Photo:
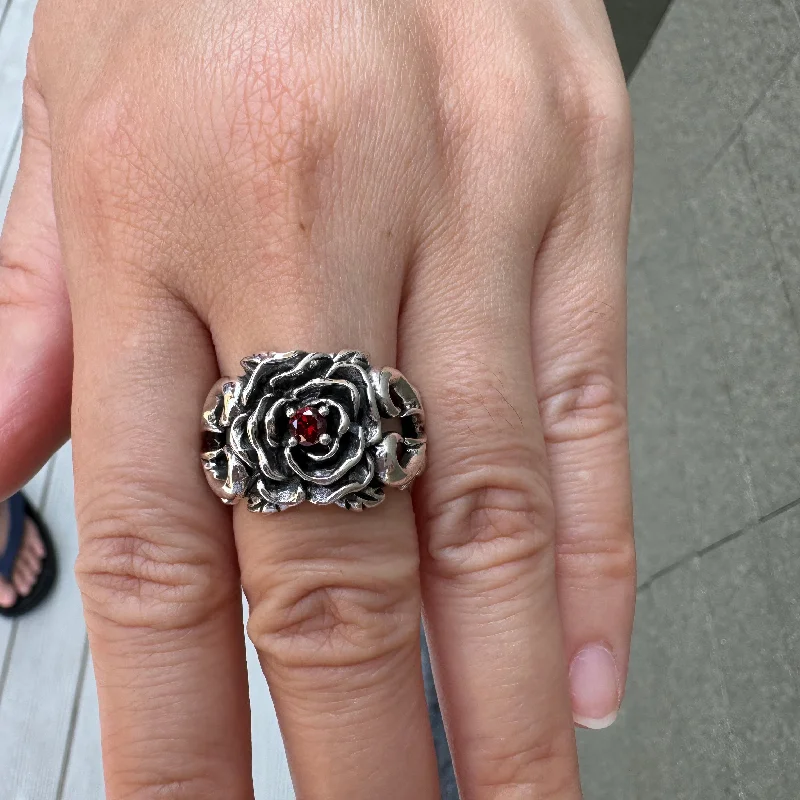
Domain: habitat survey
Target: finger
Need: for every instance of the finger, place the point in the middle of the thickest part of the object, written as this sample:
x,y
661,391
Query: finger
x,y
334,595
35,326
578,335
157,566
485,512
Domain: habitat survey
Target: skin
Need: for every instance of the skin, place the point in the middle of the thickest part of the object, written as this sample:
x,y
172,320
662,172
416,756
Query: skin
x,y
443,185
28,564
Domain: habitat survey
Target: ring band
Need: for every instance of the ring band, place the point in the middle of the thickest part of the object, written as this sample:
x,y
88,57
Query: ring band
x,y
322,427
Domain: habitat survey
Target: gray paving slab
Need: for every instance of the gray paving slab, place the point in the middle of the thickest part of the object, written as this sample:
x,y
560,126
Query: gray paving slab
x,y
691,483
689,699
773,150
707,67
663,529
718,492
753,322
750,622
611,759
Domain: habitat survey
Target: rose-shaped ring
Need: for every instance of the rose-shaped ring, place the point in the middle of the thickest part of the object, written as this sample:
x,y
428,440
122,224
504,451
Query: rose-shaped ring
x,y
323,427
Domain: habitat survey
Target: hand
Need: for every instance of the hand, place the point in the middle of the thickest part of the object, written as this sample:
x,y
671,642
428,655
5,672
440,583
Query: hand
x,y
443,185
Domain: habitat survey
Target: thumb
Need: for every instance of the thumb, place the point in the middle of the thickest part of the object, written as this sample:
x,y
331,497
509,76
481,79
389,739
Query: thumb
x,y
35,325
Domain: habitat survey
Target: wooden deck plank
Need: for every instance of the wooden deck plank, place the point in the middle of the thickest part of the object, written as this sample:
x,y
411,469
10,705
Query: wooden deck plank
x,y
46,664
35,492
14,37
271,778
83,779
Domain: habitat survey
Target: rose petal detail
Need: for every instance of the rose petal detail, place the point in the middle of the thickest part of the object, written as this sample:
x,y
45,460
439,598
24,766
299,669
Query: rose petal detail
x,y
260,368
358,377
270,497
381,382
352,357
311,364
238,441
343,419
222,405
353,452
271,431
355,480
212,408
369,497
327,388
237,479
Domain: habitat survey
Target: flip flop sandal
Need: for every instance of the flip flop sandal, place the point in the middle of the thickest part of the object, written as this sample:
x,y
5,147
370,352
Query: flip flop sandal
x,y
20,510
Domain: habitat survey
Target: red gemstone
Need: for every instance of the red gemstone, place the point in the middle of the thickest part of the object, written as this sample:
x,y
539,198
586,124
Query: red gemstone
x,y
307,425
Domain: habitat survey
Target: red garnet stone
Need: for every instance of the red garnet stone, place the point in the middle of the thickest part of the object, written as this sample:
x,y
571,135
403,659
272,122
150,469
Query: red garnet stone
x,y
307,425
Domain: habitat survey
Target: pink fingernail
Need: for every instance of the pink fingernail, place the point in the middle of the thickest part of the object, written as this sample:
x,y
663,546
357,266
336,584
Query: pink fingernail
x,y
594,684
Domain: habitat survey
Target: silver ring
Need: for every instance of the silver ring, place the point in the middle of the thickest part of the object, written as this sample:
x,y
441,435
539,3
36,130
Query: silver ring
x,y
322,427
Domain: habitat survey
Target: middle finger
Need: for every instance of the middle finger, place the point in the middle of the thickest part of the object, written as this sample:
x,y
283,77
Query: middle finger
x,y
334,595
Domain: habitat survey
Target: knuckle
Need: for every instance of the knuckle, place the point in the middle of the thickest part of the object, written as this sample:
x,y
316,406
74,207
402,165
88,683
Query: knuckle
x,y
165,788
598,560
335,612
543,767
134,570
586,405
594,107
489,519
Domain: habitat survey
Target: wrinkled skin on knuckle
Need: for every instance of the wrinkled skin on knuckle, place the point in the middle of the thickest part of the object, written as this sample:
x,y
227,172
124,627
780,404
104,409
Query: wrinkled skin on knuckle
x,y
541,766
586,406
489,521
172,789
334,611
592,107
600,561
487,499
139,567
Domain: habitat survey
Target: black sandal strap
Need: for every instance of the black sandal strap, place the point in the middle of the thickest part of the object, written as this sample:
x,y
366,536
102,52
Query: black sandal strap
x,y
16,513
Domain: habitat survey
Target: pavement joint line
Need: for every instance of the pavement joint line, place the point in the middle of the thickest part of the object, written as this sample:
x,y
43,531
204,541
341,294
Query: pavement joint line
x,y
4,12
745,118
698,554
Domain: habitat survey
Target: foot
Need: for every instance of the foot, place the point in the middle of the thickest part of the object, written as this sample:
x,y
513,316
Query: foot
x,y
28,564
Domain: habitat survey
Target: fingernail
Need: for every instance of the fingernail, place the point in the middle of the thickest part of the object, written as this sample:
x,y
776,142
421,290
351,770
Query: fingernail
x,y
594,684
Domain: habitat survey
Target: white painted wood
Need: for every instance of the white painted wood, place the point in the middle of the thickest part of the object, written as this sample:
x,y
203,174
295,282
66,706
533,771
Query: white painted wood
x,y
35,490
36,708
271,777
35,493
14,37
84,772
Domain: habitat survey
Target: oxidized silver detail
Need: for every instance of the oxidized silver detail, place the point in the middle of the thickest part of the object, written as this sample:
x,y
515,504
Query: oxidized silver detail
x,y
250,452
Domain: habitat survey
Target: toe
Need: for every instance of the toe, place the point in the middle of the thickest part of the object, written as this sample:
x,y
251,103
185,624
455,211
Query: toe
x,y
30,559
23,579
33,539
8,595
